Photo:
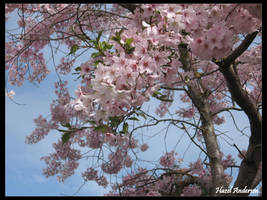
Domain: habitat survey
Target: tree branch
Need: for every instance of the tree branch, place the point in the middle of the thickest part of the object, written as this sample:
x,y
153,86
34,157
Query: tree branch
x,y
128,6
212,147
249,166
226,109
238,51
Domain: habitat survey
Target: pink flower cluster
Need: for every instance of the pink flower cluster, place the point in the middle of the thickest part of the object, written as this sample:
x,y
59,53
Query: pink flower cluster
x,y
168,159
91,174
43,128
121,86
228,161
117,160
197,168
63,162
186,113
254,9
163,107
191,190
142,183
246,19
143,58
65,66
153,193
136,184
67,170
10,94
216,42
144,147
249,71
94,139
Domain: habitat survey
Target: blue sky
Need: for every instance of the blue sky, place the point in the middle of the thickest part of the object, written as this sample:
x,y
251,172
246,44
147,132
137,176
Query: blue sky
x,y
23,176
22,161
23,165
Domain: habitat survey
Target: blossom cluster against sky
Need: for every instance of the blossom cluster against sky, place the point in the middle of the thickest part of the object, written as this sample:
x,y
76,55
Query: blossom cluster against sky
x,y
23,168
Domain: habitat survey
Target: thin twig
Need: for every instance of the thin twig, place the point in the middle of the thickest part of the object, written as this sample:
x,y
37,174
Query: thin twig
x,y
239,151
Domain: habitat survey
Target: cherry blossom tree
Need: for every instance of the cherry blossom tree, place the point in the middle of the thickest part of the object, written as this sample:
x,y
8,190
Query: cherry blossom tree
x,y
202,54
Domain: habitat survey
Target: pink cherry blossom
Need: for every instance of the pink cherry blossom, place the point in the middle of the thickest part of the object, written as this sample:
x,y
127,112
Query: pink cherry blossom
x,y
228,161
139,56
144,147
191,190
10,94
168,159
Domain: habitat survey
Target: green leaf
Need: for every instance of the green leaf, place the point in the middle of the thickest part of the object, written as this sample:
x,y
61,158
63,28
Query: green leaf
x,y
78,68
125,127
157,12
98,61
143,115
115,39
100,46
99,36
159,96
65,137
118,35
106,45
183,32
95,54
64,131
133,118
82,37
156,94
101,128
187,79
67,125
130,50
176,166
115,121
120,32
73,49
163,96
91,122
128,41
95,43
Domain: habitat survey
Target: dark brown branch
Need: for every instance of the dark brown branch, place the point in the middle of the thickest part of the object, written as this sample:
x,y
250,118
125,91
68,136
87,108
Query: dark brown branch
x,y
239,50
239,151
128,6
226,109
249,166
172,88
212,147
213,150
